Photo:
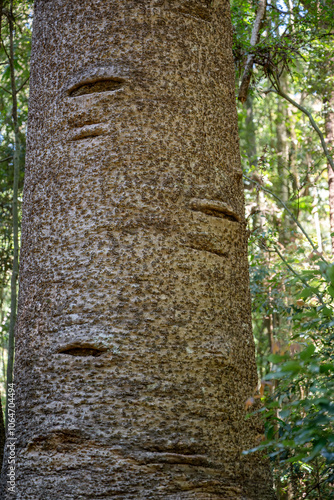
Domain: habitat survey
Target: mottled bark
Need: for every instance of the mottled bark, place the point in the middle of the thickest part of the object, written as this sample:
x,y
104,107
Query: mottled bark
x,y
134,351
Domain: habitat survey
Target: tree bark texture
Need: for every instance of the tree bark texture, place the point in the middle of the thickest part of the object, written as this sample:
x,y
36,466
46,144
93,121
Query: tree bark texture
x,y
134,351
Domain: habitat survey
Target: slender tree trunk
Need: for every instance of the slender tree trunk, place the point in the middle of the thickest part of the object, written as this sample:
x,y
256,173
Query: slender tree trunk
x,y
134,352
16,166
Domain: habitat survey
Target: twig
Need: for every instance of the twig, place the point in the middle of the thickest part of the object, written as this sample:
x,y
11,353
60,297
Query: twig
x,y
246,77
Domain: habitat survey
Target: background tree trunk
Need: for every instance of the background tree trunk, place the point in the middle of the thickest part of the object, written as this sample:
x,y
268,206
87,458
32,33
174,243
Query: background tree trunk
x,y
134,352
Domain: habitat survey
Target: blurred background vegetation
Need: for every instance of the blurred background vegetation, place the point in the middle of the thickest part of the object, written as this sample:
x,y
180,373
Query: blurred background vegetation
x,y
284,60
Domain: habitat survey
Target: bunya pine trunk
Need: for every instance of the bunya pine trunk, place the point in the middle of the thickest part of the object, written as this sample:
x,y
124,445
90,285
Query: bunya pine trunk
x,y
134,347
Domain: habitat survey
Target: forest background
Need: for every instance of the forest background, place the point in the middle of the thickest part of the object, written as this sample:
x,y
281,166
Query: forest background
x,y
284,60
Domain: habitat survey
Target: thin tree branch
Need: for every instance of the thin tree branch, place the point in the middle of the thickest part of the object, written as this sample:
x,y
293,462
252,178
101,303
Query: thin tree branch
x,y
277,9
4,48
5,90
304,185
246,77
23,84
6,159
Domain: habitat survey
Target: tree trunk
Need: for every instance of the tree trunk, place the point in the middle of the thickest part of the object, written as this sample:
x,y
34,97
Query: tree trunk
x,y
282,150
134,351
